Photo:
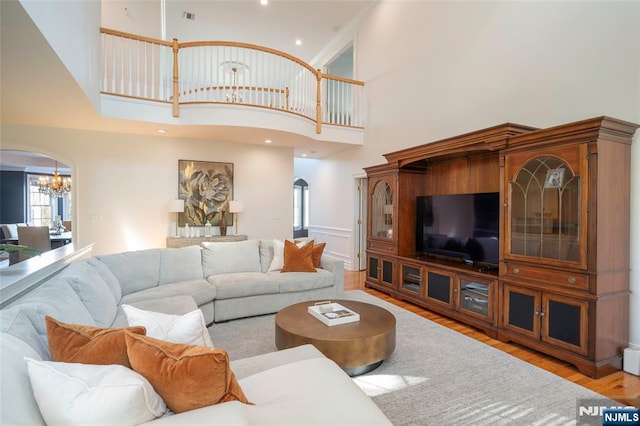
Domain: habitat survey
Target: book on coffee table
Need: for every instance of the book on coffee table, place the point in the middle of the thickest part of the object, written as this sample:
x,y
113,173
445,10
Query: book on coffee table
x,y
333,314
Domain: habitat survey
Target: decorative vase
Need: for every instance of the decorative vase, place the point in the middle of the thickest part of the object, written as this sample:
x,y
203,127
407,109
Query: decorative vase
x,y
223,223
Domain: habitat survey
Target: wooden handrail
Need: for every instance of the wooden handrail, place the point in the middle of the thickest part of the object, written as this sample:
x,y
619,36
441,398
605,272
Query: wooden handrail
x,y
136,37
134,70
342,79
248,46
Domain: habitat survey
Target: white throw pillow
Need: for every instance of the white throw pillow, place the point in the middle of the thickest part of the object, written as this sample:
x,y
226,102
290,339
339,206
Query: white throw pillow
x,y
70,393
278,254
189,329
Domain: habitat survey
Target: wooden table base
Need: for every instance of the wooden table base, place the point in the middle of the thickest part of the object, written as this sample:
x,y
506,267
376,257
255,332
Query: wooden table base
x,y
357,347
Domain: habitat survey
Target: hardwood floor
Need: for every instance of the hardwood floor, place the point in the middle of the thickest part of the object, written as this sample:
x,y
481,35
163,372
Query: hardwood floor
x,y
620,386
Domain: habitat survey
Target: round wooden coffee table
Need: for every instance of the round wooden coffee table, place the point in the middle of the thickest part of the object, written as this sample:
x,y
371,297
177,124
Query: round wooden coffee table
x,y
357,347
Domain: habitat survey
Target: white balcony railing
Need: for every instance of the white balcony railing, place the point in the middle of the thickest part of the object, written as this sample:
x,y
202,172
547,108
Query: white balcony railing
x,y
226,72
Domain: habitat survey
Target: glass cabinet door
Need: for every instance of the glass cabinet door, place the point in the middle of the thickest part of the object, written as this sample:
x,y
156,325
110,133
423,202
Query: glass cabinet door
x,y
382,211
545,210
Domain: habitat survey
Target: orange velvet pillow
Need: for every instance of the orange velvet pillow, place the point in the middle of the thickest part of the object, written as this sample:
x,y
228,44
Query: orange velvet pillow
x,y
298,259
85,344
185,376
318,249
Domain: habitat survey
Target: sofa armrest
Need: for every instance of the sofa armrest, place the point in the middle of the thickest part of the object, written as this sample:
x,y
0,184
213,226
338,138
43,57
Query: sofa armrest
x,y
337,268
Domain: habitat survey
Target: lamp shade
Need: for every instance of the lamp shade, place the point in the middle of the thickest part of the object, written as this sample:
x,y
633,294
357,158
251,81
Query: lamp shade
x,y
236,206
176,206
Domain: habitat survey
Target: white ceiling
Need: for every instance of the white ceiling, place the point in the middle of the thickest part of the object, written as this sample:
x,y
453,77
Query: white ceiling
x,y
28,65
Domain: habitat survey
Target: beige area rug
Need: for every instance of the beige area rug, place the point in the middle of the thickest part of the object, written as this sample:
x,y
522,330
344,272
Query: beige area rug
x,y
437,376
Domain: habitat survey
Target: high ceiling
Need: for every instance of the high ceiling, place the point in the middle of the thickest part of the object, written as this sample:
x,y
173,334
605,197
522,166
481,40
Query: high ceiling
x,y
29,65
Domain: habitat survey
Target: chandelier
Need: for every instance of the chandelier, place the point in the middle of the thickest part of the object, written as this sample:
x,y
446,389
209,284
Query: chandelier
x,y
235,69
55,186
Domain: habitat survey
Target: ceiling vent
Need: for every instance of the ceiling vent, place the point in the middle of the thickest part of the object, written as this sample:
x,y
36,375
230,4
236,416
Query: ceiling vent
x,y
188,15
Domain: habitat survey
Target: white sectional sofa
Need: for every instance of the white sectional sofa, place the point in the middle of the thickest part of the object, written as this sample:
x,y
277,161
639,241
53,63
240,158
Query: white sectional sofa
x,y
297,386
228,280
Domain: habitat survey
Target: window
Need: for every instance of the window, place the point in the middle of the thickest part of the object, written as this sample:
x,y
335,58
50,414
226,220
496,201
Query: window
x,y
43,208
300,209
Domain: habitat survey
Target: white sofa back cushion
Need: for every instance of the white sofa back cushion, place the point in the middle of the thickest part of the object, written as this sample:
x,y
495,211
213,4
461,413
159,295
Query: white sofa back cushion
x,y
57,299
17,404
180,264
135,270
107,276
231,257
13,321
93,291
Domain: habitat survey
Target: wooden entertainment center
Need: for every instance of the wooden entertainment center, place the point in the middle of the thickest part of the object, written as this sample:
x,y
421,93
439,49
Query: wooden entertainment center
x,y
561,285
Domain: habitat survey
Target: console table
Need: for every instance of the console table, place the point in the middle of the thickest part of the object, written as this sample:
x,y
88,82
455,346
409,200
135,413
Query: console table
x,y
177,242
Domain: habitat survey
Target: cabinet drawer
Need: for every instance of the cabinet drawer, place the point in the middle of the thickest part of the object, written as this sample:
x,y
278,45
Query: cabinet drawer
x,y
381,246
562,278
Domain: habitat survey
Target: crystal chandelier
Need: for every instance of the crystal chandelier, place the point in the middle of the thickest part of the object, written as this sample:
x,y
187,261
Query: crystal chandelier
x,y
55,185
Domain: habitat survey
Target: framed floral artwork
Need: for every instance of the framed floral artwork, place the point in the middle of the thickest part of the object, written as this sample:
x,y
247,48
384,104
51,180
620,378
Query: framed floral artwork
x,y
206,188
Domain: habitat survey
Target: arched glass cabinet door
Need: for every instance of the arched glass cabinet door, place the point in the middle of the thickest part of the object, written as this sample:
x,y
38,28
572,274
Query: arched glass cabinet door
x,y
382,210
545,211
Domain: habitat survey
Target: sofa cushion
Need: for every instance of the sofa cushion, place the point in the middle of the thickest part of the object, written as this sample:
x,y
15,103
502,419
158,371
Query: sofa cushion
x,y
187,377
180,264
298,259
201,290
302,281
107,276
177,305
17,405
82,394
249,366
88,345
309,387
13,321
135,270
227,414
231,257
57,299
93,291
189,328
230,286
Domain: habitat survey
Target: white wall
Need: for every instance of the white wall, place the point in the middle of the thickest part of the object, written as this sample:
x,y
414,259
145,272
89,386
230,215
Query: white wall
x,y
137,17
439,69
123,183
72,28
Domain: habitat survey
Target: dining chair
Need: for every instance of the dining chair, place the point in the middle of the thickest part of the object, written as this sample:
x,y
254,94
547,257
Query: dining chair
x,y
35,237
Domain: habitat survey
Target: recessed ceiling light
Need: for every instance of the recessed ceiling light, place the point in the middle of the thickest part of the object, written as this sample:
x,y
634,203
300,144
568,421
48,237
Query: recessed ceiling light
x,y
161,131
298,42
264,2
267,141
304,155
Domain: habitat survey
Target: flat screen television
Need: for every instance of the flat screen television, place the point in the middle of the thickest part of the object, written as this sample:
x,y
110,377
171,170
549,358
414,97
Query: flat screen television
x,y
459,226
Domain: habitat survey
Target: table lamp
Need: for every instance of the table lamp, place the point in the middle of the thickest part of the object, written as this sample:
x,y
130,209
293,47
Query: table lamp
x,y
236,207
176,206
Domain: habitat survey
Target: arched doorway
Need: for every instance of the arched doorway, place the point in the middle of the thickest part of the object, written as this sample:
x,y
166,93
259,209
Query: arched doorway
x,y
22,201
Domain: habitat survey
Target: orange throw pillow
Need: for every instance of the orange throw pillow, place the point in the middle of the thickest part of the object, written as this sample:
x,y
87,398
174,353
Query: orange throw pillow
x,y
316,255
85,344
185,376
298,259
